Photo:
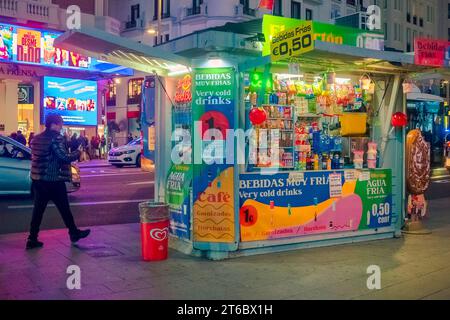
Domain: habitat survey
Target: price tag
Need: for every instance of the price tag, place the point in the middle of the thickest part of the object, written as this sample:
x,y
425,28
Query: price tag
x,y
292,42
296,176
351,175
364,176
335,182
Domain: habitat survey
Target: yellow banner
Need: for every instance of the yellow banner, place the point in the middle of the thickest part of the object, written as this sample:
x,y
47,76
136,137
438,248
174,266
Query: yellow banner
x,y
292,42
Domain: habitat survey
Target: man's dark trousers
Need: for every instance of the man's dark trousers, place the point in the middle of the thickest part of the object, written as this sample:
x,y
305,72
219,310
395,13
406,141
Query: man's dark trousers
x,y
44,191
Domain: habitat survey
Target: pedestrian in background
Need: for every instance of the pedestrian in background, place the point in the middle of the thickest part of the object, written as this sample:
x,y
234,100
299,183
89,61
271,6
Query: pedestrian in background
x,y
50,169
83,142
21,138
130,137
30,138
103,147
13,136
74,143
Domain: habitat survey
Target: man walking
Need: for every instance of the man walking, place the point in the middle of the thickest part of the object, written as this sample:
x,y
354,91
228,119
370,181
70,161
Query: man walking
x,y
50,169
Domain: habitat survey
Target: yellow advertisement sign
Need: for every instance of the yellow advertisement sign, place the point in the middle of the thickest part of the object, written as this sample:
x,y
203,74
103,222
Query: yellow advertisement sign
x,y
214,210
292,42
28,45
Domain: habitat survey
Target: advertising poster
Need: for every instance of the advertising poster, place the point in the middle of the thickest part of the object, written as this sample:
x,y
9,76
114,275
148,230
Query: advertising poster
x,y
36,46
322,32
51,55
178,198
213,187
430,52
28,45
75,100
285,205
6,42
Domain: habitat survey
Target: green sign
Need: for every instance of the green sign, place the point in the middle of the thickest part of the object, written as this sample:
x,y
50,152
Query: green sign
x,y
273,25
375,189
213,104
178,198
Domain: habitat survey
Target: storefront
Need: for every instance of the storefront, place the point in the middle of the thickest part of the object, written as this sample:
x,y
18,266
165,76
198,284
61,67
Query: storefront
x,y
270,153
37,77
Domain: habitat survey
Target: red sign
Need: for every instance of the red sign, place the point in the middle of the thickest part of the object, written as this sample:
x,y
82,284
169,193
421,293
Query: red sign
x,y
183,94
430,52
266,4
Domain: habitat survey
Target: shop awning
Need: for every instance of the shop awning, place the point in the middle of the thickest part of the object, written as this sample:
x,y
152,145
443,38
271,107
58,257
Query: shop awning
x,y
121,51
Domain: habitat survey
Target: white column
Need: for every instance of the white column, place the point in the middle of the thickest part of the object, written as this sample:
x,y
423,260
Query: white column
x,y
8,106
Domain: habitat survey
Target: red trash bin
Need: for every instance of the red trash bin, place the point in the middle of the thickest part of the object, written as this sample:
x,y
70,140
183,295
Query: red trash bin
x,y
154,230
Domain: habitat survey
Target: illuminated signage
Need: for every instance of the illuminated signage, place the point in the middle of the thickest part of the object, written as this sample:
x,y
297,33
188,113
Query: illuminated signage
x,y
273,25
183,94
35,46
75,100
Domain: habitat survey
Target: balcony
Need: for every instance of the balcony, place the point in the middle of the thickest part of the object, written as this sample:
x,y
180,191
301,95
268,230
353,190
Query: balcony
x,y
193,11
165,15
249,12
8,8
240,10
30,10
133,24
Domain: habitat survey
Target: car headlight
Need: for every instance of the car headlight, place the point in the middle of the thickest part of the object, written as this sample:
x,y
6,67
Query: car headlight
x,y
129,151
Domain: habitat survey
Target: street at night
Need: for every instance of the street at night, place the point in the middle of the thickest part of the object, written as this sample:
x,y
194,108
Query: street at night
x,y
225,150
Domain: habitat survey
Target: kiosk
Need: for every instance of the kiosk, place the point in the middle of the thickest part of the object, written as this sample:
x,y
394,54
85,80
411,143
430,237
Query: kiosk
x,y
261,153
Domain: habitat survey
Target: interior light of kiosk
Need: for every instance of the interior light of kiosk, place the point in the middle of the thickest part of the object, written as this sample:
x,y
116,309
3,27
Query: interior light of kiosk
x,y
178,72
284,76
117,81
342,80
214,62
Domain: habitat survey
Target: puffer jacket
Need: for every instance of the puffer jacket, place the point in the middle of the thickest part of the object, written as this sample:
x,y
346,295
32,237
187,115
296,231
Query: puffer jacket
x,y
50,160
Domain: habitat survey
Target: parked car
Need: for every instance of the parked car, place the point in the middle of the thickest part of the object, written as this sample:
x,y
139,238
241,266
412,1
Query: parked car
x,y
15,169
129,154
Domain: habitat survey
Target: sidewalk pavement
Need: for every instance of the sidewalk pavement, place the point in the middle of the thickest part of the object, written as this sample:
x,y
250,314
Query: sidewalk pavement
x,y
95,163
412,267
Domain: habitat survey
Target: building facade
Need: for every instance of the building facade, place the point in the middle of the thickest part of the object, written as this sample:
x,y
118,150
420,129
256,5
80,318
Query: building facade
x,y
401,20
28,59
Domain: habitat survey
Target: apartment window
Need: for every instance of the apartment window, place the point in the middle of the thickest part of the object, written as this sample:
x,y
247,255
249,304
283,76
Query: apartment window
x,y
385,31
165,13
448,34
408,35
309,14
448,10
296,9
385,4
167,37
277,8
111,93
135,12
135,90
335,11
351,2
415,20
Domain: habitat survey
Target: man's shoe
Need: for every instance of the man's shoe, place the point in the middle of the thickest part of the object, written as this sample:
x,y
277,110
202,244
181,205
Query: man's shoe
x,y
80,234
31,244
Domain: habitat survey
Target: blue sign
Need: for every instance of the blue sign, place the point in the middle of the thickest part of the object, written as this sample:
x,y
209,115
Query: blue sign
x,y
75,100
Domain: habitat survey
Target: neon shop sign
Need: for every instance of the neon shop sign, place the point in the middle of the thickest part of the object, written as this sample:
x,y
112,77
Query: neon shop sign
x,y
183,94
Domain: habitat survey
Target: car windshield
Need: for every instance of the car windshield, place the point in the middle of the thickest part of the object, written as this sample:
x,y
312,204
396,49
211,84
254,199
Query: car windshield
x,y
134,142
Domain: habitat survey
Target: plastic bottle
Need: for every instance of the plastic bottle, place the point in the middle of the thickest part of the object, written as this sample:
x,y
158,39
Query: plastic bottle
x,y
329,162
316,162
324,161
341,161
